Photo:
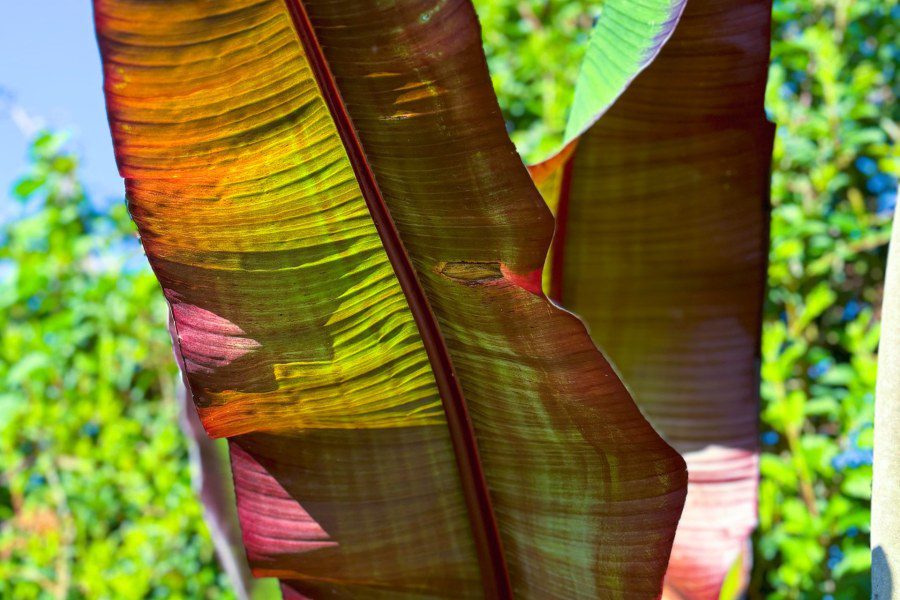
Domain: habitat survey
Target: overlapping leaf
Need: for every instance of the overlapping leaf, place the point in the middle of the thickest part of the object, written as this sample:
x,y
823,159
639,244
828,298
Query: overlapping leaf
x,y
351,249
661,246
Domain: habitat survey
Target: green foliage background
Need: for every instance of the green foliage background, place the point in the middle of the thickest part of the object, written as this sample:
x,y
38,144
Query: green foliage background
x,y
95,487
832,94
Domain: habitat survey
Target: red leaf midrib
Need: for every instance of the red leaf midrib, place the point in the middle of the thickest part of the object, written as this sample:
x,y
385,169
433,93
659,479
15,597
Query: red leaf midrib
x,y
494,570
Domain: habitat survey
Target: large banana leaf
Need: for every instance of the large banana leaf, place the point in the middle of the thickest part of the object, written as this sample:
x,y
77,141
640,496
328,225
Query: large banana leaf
x,y
352,249
661,246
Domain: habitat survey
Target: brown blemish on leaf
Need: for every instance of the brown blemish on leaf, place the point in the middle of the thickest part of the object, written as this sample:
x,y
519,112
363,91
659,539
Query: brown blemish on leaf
x,y
471,272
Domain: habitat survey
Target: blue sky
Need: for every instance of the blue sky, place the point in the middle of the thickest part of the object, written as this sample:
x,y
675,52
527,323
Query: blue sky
x,y
50,70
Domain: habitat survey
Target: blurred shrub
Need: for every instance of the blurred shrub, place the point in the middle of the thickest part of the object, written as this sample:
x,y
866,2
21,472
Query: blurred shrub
x,y
95,493
834,188
831,90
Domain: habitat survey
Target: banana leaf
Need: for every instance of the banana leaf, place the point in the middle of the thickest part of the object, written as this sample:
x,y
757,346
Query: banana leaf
x,y
661,246
352,251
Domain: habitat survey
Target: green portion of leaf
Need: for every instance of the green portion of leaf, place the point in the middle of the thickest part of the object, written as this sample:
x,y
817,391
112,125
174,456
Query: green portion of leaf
x,y
626,38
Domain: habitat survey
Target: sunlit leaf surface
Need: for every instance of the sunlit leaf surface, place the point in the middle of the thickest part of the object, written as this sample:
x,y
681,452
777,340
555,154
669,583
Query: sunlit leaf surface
x,y
352,252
